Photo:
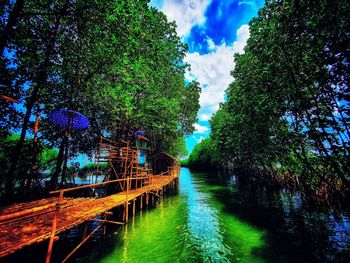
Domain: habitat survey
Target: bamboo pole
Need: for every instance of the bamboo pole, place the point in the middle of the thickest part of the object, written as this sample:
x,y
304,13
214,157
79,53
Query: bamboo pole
x,y
141,201
85,230
126,161
104,225
92,185
54,227
107,221
127,201
131,163
81,243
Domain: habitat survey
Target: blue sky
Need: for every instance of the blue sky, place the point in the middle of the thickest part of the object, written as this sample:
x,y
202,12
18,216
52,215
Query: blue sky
x,y
214,30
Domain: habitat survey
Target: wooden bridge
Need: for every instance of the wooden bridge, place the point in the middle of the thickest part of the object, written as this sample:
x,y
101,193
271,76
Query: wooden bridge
x,y
28,223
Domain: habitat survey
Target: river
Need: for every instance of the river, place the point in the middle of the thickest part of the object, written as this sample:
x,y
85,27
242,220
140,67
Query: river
x,y
211,220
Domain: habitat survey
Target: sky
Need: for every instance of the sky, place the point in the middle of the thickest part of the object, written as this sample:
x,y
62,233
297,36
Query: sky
x,y
214,30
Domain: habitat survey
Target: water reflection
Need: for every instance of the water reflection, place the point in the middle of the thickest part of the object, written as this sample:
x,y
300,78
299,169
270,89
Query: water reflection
x,y
203,222
214,220
211,220
189,227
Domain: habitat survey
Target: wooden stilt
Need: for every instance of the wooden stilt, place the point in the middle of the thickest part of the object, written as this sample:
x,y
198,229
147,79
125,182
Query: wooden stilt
x,y
156,186
107,214
85,230
141,201
54,227
81,243
107,221
127,201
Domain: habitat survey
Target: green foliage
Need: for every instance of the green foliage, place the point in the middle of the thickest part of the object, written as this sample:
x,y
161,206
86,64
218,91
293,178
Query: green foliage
x,y
179,148
203,156
118,62
287,110
94,166
46,157
184,163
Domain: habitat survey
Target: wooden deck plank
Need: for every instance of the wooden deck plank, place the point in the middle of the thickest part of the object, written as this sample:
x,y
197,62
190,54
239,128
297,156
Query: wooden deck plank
x,y
24,231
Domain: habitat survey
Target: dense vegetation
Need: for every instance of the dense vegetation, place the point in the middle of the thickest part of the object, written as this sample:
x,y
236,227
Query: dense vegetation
x,y
118,62
287,114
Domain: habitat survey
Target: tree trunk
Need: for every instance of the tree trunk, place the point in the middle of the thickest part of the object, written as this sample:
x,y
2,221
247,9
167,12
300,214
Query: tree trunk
x,y
17,151
40,81
10,26
63,176
60,159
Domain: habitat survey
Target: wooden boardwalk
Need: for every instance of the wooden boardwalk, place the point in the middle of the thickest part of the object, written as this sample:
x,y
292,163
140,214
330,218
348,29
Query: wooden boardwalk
x,y
25,224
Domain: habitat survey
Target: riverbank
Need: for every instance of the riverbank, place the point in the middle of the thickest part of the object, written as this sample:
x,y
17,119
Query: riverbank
x,y
259,178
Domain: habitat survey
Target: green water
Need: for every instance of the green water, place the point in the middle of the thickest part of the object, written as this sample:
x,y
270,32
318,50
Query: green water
x,y
188,227
212,220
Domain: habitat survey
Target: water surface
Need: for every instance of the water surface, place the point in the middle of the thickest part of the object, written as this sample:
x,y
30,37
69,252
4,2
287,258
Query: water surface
x,y
210,220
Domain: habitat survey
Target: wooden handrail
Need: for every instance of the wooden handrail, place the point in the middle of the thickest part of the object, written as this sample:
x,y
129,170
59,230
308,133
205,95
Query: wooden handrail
x,y
92,185
128,181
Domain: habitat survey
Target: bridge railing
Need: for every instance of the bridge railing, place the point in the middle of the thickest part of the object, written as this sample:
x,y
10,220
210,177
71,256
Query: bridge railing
x,y
61,193
172,171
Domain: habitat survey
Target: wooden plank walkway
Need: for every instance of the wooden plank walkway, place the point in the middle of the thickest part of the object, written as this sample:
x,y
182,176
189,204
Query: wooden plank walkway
x,y
36,226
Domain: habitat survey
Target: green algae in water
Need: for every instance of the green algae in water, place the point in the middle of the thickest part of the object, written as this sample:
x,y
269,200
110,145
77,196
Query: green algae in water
x,y
189,227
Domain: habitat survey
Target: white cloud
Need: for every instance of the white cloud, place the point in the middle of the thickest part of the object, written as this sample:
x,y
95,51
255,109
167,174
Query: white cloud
x,y
211,44
204,117
186,13
212,70
245,2
242,37
200,128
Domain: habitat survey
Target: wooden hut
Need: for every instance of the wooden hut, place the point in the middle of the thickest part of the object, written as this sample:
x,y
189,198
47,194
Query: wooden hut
x,y
162,162
141,144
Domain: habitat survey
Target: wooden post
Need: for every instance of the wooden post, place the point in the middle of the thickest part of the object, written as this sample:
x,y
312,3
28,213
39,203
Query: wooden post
x,y
81,243
141,201
126,161
131,163
127,201
85,230
54,227
133,208
105,225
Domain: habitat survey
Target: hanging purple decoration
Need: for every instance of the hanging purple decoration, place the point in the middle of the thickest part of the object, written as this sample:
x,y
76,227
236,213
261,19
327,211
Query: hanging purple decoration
x,y
140,133
66,118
